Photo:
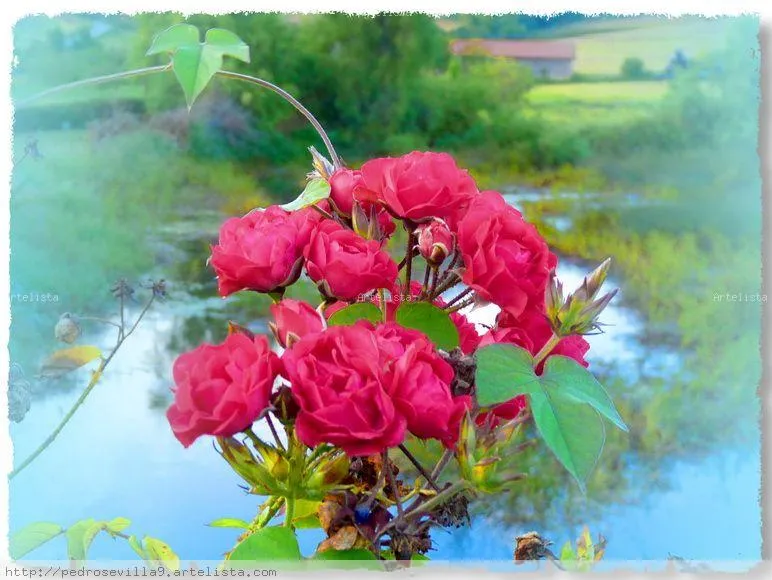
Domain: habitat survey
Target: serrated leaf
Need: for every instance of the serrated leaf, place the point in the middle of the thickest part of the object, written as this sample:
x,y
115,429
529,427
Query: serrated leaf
x,y
32,536
434,322
158,551
503,372
573,380
573,432
79,538
271,543
69,359
354,313
229,523
228,43
315,191
173,38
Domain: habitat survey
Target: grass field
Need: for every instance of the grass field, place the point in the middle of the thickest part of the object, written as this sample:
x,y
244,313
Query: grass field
x,y
602,47
610,92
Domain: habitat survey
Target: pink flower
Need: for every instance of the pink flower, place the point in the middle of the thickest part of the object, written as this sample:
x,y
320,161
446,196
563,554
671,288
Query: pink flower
x,y
262,251
222,389
342,184
506,260
417,186
435,241
341,380
293,320
346,265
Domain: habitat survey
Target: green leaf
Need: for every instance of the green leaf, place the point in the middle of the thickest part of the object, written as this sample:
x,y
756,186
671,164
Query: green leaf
x,y
229,523
266,544
503,372
351,559
194,62
79,538
32,536
158,551
316,190
431,320
354,313
136,545
575,381
306,514
228,43
194,67
173,38
574,432
117,525
567,552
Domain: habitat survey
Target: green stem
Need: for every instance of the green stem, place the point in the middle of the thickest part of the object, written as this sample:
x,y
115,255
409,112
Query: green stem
x,y
384,308
289,513
95,80
440,498
292,101
442,463
264,517
275,433
545,350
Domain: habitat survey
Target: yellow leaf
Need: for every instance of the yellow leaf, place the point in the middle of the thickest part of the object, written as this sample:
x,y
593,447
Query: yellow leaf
x,y
160,552
69,359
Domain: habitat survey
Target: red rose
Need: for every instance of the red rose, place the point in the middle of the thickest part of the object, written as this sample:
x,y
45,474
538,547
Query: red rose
x,y
417,186
262,251
222,389
435,241
468,339
506,260
294,319
346,265
340,381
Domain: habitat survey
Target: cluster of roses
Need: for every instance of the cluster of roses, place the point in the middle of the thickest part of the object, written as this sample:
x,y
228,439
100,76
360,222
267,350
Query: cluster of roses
x,y
363,387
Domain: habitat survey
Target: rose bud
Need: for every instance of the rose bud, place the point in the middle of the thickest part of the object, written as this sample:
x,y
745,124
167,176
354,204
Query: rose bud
x,y
222,389
294,319
262,251
285,407
435,241
342,184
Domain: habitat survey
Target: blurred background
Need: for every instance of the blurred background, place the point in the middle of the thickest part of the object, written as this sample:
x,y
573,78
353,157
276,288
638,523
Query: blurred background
x,y
634,138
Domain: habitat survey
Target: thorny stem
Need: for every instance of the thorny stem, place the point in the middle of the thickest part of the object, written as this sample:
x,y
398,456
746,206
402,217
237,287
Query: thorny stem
x,y
545,350
323,212
96,375
459,297
433,284
461,306
441,463
418,466
449,281
409,263
425,286
439,499
392,482
263,518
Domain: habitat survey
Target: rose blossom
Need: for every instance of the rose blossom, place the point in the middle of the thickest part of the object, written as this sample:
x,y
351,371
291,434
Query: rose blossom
x,y
435,241
293,320
342,185
340,383
420,382
222,389
344,264
417,186
263,250
506,261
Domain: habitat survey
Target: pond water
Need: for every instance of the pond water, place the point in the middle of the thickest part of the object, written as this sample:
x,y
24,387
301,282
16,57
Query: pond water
x,y
118,457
